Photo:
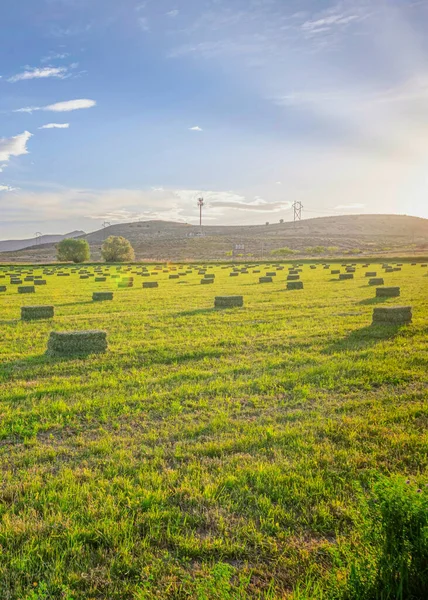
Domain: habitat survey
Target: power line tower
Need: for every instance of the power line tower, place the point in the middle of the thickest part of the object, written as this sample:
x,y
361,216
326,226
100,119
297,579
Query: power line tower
x,y
200,204
105,225
297,207
38,236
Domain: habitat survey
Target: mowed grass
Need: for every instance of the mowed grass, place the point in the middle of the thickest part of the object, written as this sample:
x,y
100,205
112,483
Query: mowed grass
x,y
209,454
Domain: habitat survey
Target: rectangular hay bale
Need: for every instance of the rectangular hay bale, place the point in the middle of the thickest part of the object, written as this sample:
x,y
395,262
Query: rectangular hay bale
x,y
69,343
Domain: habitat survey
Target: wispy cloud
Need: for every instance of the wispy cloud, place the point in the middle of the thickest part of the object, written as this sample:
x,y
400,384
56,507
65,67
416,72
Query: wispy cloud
x,y
196,128
173,13
40,73
55,126
6,188
14,146
54,56
66,106
326,23
143,24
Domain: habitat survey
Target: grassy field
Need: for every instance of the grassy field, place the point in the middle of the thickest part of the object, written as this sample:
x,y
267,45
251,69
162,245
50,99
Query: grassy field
x,y
244,453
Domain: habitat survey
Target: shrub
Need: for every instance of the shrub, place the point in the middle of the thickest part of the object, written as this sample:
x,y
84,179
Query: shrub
x,y
394,564
283,251
71,250
117,249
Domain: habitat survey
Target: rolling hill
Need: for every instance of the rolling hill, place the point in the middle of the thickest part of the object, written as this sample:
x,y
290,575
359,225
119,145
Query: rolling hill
x,y
12,245
338,235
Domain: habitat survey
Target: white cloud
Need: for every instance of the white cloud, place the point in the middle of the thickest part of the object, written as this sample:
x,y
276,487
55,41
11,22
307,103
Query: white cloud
x,y
6,188
40,73
55,126
348,206
66,106
172,13
14,146
197,128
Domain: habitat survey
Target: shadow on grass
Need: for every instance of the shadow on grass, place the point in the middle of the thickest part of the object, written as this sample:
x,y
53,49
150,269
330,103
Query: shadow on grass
x,y
364,338
83,302
195,312
21,365
369,301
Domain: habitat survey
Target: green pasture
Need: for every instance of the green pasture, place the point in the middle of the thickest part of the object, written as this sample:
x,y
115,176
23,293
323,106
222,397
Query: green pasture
x,y
212,453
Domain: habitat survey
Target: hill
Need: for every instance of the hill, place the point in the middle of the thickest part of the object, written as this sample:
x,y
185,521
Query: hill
x,y
162,240
12,245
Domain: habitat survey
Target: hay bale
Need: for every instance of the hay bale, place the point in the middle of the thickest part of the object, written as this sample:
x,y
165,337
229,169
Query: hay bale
x,y
211,275
101,296
26,289
271,274
387,292
376,281
233,274
100,278
295,285
39,282
228,301
16,281
29,278
204,281
371,274
2,288
344,276
125,284
293,277
265,279
150,284
256,271
392,315
84,276
335,272
32,313
174,276
68,343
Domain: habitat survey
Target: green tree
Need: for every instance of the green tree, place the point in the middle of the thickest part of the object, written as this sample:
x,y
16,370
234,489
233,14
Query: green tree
x,y
71,250
117,249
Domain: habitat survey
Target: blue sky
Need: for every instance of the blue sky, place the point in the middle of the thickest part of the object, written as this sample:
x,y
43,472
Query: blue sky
x,y
131,110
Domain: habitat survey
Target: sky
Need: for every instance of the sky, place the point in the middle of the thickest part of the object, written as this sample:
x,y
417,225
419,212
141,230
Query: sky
x,y
121,111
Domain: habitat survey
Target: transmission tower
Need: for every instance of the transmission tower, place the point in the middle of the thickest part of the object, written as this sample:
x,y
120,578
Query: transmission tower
x,y
105,224
200,204
297,206
38,236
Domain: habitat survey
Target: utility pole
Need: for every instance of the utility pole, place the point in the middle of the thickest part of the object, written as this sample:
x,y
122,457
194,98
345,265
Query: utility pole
x,y
200,204
297,206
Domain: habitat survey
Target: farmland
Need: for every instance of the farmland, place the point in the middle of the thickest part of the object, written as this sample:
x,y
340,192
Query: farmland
x,y
209,453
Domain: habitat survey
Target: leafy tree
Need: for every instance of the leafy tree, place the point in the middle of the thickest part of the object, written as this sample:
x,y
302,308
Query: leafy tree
x,y
71,250
117,249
